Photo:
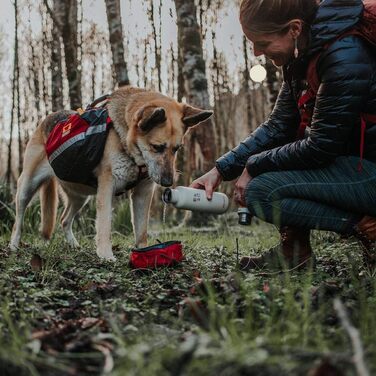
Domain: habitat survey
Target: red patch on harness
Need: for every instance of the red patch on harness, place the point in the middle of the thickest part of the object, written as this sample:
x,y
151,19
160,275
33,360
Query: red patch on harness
x,y
71,127
163,254
66,129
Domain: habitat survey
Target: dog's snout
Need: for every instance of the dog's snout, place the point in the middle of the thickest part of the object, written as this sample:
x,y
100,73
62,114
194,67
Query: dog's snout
x,y
167,181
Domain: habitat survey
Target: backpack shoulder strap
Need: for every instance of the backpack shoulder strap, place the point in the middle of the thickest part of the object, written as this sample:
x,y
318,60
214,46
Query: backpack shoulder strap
x,y
312,76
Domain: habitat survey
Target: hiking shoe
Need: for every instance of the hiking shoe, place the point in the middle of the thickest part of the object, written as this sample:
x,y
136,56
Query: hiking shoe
x,y
293,252
368,248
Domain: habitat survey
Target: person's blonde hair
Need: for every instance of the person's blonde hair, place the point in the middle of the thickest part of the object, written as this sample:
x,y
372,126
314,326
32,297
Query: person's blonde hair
x,y
273,16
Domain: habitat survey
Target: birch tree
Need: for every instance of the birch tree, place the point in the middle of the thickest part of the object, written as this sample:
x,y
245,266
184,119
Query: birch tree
x,y
116,40
157,41
246,80
2,124
201,146
56,69
34,63
274,81
70,40
15,90
65,18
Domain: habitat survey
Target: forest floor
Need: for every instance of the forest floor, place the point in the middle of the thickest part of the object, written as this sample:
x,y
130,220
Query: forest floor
x,y
65,312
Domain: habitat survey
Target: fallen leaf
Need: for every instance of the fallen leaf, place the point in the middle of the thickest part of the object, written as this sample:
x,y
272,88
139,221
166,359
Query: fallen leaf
x,y
89,322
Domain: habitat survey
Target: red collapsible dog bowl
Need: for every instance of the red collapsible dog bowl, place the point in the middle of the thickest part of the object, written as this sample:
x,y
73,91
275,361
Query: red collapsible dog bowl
x,y
162,254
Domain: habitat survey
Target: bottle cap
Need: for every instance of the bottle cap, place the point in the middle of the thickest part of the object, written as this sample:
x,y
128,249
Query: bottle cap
x,y
245,216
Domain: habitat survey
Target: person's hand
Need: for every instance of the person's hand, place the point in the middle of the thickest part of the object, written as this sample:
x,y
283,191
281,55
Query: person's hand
x,y
210,181
239,192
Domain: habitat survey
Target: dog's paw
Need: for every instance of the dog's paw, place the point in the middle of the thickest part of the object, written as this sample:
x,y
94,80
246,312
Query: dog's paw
x,y
13,247
108,256
73,243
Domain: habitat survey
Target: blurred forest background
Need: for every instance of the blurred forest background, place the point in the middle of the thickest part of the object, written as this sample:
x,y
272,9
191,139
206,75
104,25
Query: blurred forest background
x,y
63,54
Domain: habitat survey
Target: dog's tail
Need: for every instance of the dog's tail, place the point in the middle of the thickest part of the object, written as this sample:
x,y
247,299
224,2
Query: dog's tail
x,y
49,200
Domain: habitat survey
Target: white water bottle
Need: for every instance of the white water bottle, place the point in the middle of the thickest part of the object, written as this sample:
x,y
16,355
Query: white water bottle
x,y
195,200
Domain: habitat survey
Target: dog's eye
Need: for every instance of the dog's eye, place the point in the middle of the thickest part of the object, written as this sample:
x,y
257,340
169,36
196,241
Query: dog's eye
x,y
159,148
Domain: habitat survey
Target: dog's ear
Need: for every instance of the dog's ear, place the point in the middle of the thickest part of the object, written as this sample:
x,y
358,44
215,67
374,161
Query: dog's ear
x,y
150,116
193,116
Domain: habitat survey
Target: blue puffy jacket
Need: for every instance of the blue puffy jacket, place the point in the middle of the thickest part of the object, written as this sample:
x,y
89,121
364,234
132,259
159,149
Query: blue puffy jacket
x,y
347,72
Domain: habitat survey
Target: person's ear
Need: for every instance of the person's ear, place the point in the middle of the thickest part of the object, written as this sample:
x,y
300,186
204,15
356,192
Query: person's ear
x,y
296,27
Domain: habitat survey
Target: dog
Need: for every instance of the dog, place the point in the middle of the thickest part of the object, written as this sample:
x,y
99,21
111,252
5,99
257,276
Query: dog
x,y
147,131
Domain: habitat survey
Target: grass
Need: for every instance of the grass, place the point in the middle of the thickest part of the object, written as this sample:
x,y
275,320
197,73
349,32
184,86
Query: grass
x,y
65,312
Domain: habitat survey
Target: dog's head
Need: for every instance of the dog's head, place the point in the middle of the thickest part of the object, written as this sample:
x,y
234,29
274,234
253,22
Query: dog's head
x,y
156,132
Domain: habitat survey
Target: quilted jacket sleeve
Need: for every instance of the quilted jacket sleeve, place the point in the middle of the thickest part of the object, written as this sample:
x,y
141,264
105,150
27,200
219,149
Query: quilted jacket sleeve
x,y
279,129
345,71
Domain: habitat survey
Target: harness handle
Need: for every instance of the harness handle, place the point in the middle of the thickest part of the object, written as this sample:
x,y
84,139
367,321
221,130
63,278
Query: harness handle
x,y
105,97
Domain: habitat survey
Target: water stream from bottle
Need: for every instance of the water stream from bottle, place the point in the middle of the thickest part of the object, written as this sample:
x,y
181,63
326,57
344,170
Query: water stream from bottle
x,y
164,214
164,221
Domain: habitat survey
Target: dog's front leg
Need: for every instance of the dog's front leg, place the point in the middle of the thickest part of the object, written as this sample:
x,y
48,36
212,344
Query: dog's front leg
x,y
140,206
104,213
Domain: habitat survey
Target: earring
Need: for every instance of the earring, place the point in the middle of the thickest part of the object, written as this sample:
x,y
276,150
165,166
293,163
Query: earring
x,y
296,51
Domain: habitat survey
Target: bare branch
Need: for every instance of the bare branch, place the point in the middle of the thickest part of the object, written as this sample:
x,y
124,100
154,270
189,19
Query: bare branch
x,y
354,336
52,15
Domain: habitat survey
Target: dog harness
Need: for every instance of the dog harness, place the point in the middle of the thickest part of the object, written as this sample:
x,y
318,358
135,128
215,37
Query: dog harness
x,y
76,144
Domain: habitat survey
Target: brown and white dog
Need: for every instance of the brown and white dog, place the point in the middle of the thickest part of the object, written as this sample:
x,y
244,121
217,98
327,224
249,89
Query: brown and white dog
x,y
148,129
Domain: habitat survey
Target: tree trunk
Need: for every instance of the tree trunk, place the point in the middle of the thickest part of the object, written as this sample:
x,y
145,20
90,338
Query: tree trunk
x,y
56,66
180,62
172,72
70,39
157,43
20,145
45,61
246,80
201,145
219,134
116,41
9,174
34,65
145,63
274,81
65,20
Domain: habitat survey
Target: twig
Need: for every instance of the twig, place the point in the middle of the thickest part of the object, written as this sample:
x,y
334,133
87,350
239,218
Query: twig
x,y
237,251
307,355
108,359
354,336
52,15
283,271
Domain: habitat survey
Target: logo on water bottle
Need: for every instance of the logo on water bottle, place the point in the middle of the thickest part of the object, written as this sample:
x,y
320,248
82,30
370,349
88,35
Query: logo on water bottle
x,y
197,197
